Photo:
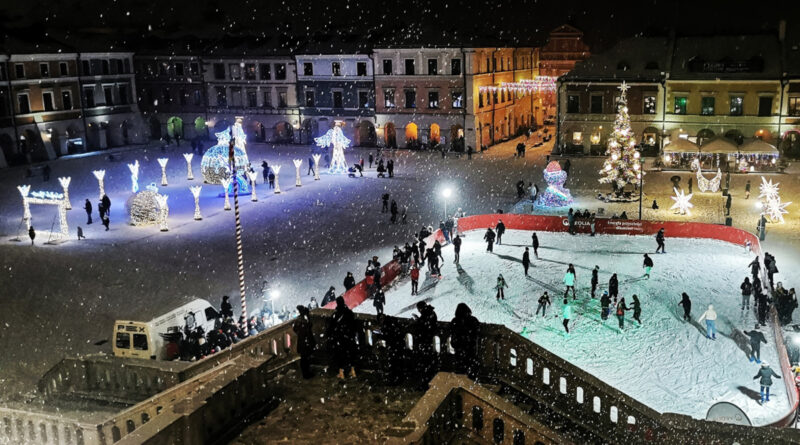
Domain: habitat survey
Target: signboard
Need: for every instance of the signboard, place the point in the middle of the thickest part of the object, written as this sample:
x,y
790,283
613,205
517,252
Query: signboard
x,y
727,412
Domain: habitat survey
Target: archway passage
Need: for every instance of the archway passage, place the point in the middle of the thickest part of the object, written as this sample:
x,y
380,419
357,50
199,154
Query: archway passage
x,y
790,144
259,131
9,150
411,132
390,135
457,137
175,127
436,136
735,135
74,139
33,145
283,132
366,134
704,135
155,128
200,128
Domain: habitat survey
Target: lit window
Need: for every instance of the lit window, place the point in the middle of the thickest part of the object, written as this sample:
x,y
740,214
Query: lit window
x,y
458,99
680,105
649,105
707,106
388,98
433,99
737,105
577,137
794,106
336,68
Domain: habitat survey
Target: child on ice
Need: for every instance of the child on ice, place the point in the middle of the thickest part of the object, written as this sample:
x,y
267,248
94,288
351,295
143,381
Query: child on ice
x,y
765,374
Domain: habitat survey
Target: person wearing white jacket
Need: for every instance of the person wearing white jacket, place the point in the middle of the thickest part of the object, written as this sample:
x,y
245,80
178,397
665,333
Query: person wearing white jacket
x,y
710,316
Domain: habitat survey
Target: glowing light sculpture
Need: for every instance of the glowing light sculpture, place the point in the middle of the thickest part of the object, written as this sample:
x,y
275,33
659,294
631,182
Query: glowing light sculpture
x,y
26,208
277,169
708,185
189,173
774,209
336,138
225,184
768,190
253,176
163,212
215,164
555,195
64,181
297,164
145,207
100,175
134,168
49,198
682,204
196,193
316,157
163,163
623,165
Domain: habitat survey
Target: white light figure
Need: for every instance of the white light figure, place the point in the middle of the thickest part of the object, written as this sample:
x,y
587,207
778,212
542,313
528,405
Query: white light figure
x,y
768,190
316,157
253,176
64,181
26,208
163,163
708,185
774,209
163,211
188,157
682,204
297,164
134,168
196,193
100,175
335,137
225,183
277,169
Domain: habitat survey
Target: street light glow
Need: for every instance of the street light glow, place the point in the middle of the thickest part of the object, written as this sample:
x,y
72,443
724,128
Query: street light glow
x,y
447,192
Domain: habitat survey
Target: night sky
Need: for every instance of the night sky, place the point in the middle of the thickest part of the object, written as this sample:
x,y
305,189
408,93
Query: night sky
x,y
514,22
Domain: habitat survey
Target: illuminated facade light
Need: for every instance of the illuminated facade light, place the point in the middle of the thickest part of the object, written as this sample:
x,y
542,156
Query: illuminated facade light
x,y
64,181
196,194
134,168
316,165
163,163
297,164
100,175
189,173
277,169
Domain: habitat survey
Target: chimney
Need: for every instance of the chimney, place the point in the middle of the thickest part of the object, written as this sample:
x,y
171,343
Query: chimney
x,y
782,30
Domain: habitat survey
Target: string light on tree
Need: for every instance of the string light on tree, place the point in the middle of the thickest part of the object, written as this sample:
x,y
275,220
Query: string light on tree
x,y
225,183
335,137
253,176
64,181
134,168
297,164
196,193
163,211
189,173
622,167
100,175
163,163
316,165
682,204
277,169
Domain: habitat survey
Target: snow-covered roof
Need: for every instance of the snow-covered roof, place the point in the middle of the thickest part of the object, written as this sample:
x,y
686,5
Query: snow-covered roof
x,y
727,57
639,58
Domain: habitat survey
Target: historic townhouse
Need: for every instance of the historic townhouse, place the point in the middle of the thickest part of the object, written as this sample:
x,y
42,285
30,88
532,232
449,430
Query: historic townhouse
x,y
564,48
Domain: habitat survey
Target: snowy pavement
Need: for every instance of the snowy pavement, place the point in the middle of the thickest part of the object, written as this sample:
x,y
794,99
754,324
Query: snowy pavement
x,y
665,363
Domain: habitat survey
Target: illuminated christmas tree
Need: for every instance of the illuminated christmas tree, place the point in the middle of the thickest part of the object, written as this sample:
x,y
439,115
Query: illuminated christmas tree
x,y
622,166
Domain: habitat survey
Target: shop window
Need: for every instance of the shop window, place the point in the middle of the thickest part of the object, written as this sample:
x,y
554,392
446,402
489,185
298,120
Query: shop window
x,y
577,138
765,106
707,106
573,103
680,105
737,105
649,105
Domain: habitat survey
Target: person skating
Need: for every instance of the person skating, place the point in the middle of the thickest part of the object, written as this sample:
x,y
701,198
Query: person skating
x,y
637,309
648,266
755,268
80,233
342,334
595,271
88,207
305,340
571,221
526,260
710,316
535,243
464,330
613,287
686,302
414,278
765,375
379,300
566,314
349,281
747,290
385,203
605,306
500,229
621,308
489,237
106,221
756,338
501,284
544,301
569,281
660,241
329,297
31,234
457,248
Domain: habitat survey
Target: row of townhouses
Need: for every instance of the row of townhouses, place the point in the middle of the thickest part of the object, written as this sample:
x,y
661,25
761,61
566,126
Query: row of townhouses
x,y
59,101
686,93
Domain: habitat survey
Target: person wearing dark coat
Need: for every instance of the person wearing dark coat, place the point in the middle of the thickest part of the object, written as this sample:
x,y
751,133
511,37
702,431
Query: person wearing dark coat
x,y
637,309
648,265
305,340
457,248
595,279
31,234
394,352
571,221
371,160
526,260
613,287
687,306
425,327
500,229
349,281
765,375
106,203
342,334
101,209
390,168
464,334
106,221
384,203
265,170
271,179
605,306
329,296
747,290
489,237
660,241
379,300
394,211
621,308
225,308
310,167
756,338
771,268
535,243
88,208
761,299
46,173
543,301
755,268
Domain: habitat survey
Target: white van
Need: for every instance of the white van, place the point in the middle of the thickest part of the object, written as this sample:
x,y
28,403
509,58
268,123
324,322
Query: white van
x,y
138,339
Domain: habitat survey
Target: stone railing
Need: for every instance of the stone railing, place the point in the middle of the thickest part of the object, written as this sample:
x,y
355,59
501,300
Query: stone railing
x,y
25,427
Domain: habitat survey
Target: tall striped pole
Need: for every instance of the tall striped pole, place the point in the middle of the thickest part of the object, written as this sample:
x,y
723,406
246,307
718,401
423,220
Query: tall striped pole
x,y
239,254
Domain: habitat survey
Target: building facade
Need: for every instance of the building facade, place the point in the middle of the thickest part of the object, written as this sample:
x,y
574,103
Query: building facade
x,y
564,48
336,89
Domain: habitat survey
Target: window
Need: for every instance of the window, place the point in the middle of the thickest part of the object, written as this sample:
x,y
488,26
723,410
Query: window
x,y
308,69
44,69
105,67
47,100
411,99
388,98
140,342
268,99
123,340
118,66
194,68
219,71
455,67
596,105
765,106
794,106
336,68
577,138
235,70
166,96
361,68
222,96
126,66
86,68
707,106
458,99
494,97
66,100
363,99
337,99
649,105
680,105
387,67
480,100
88,97
737,103
19,70
282,98
409,67
573,103
266,71
123,94
433,67
252,96
280,71
236,97
197,98
250,71
179,69
433,99
62,69
309,98
162,69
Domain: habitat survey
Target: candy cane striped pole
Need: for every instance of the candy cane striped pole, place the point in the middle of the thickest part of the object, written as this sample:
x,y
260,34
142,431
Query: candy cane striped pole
x,y
239,254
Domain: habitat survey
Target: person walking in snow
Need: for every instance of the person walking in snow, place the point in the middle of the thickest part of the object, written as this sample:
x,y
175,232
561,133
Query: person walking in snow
x,y
747,290
710,316
106,221
457,248
660,241
648,266
595,271
686,302
544,301
755,268
566,313
637,309
571,221
271,179
501,283
342,335
80,233
500,229
414,279
613,287
385,203
106,203
305,340
371,160
394,211
765,375
88,207
424,327
605,306
621,308
390,168
526,260
31,234
569,281
535,243
349,281
489,237
747,190
464,330
756,338
379,300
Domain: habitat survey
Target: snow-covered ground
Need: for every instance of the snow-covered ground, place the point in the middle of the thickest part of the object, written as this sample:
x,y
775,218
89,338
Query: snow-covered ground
x,y
665,363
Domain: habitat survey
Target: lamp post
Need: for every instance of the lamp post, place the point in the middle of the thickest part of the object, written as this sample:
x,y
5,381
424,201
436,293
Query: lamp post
x,y
446,193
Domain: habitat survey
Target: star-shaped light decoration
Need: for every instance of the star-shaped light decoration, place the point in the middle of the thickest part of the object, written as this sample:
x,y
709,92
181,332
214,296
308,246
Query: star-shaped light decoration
x,y
775,209
768,189
682,204
624,87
